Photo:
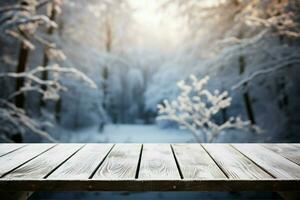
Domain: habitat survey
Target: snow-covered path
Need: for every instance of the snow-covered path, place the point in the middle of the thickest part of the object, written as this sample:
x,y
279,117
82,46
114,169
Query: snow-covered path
x,y
132,133
124,133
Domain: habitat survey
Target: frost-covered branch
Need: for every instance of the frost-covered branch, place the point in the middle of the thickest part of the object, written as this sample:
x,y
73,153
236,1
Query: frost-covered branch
x,y
33,82
29,20
195,109
42,3
14,120
21,21
285,23
277,65
242,43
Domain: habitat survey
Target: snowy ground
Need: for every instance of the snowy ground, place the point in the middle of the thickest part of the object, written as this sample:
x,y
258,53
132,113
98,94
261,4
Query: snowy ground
x,y
124,133
141,134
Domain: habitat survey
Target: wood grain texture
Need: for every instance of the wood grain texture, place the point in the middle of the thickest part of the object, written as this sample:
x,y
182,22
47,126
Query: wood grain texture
x,y
195,163
42,165
278,166
121,163
83,163
7,148
234,164
158,169
20,156
157,162
289,151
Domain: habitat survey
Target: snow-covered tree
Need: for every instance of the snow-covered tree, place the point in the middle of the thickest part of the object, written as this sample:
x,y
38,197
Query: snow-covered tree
x,y
53,9
21,21
15,121
251,47
195,108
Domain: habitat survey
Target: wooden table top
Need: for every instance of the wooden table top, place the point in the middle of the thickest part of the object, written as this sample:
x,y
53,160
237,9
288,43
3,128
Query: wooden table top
x,y
149,167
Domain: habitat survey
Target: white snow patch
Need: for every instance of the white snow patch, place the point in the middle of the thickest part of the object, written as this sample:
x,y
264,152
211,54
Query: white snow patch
x,y
123,133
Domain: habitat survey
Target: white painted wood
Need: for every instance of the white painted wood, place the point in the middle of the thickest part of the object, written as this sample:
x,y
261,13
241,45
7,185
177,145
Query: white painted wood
x,y
20,156
42,165
158,162
289,151
275,164
195,163
7,148
121,163
83,163
234,164
71,167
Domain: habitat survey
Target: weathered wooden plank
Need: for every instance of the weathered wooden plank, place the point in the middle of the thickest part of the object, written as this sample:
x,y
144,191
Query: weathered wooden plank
x,y
158,162
195,163
234,164
83,163
289,151
275,164
121,163
20,156
39,167
7,148
155,162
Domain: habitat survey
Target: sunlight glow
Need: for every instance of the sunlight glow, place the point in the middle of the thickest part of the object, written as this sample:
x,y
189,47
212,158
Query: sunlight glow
x,y
157,26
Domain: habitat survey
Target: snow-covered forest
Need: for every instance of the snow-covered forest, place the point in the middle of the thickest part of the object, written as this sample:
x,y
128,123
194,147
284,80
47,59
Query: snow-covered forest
x,y
94,71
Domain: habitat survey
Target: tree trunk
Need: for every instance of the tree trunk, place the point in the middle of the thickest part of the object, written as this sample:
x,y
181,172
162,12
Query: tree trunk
x,y
104,86
246,96
105,71
58,109
224,110
20,98
282,95
108,42
283,100
21,67
50,31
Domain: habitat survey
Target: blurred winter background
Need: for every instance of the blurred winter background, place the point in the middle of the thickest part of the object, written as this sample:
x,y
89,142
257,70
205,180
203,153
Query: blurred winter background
x,y
105,65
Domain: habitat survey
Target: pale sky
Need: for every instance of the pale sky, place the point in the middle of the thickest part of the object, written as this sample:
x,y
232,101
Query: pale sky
x,y
158,27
